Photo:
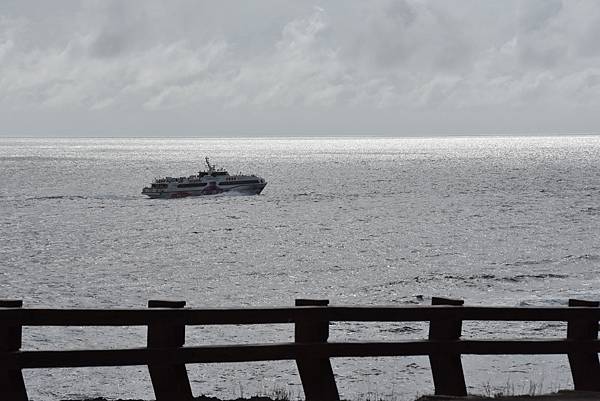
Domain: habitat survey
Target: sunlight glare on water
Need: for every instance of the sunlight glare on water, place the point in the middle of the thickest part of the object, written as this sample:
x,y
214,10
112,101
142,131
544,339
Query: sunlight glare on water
x,y
493,221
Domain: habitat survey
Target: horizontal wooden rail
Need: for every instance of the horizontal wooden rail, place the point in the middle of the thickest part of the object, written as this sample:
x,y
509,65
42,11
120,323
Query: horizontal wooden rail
x,y
166,356
287,351
192,317
464,313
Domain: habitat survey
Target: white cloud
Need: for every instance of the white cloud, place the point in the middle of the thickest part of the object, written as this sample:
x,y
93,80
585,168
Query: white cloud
x,y
415,55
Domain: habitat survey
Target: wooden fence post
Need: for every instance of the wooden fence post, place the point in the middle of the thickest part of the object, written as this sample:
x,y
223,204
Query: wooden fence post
x,y
585,367
170,382
316,374
12,386
446,368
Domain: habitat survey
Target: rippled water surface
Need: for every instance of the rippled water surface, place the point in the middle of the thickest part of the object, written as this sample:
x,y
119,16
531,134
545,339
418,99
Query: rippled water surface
x,y
502,221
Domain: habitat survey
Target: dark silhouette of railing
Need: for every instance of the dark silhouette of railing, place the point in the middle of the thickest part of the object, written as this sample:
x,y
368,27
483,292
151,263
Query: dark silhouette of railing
x,y
166,356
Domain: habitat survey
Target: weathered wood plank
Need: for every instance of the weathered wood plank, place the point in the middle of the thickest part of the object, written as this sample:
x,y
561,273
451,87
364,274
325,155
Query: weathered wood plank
x,y
473,313
316,373
12,386
143,317
287,351
169,381
585,367
446,367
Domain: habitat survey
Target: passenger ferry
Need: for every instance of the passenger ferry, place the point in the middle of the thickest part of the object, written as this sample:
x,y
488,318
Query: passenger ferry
x,y
209,182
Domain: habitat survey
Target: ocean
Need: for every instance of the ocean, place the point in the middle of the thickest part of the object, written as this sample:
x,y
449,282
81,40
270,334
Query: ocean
x,y
491,220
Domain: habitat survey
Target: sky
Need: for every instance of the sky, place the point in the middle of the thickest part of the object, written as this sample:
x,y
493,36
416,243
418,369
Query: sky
x,y
299,68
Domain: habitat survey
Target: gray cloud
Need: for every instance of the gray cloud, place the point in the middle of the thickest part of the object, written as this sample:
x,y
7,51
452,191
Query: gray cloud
x,y
260,62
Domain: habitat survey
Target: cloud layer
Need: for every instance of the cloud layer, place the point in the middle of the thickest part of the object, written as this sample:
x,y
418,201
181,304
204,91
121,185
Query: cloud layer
x,y
267,63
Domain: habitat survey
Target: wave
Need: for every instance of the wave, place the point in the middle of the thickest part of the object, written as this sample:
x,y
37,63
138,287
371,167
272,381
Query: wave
x,y
529,262
582,257
524,277
488,277
70,197
75,197
544,302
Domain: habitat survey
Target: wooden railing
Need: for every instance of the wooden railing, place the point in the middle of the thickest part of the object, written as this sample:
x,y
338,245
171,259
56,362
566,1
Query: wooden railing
x,y
166,356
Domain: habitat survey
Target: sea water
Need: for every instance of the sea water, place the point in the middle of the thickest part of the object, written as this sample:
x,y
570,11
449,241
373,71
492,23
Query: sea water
x,y
494,221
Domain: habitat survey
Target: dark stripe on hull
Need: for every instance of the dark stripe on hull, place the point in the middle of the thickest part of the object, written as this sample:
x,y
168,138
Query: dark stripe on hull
x,y
245,189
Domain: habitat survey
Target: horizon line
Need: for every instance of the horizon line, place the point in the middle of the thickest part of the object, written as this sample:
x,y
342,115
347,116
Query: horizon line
x,y
317,136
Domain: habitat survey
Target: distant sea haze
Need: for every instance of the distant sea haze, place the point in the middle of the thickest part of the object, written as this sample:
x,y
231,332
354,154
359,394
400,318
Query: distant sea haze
x,y
493,221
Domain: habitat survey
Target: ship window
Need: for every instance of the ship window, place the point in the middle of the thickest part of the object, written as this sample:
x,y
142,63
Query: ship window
x,y
240,182
197,184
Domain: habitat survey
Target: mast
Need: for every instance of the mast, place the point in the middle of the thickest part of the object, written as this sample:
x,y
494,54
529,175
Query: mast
x,y
210,168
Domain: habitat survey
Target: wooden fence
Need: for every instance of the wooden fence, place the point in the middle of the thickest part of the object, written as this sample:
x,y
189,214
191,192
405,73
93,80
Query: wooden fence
x,y
166,356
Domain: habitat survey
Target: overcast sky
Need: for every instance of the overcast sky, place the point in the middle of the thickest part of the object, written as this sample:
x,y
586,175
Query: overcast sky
x,y
200,68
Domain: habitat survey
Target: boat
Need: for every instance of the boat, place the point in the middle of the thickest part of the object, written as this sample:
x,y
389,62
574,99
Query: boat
x,y
210,182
